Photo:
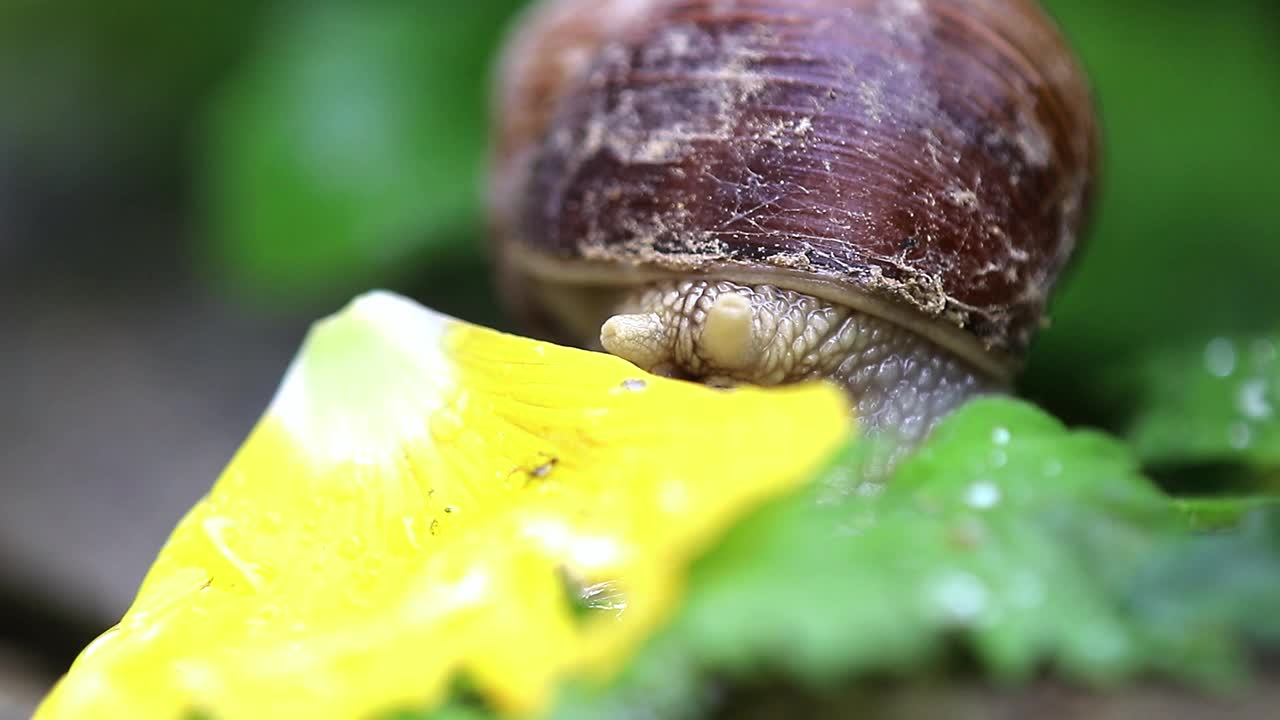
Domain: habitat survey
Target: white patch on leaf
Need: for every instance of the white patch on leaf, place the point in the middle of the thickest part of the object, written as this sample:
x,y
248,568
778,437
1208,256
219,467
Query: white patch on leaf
x,y
365,379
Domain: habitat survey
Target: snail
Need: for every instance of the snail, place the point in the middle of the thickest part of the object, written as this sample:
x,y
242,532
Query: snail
x,y
882,193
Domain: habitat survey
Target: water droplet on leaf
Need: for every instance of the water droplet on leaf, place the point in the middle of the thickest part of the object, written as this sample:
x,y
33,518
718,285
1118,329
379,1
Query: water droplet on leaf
x,y
1220,357
1252,400
960,597
982,495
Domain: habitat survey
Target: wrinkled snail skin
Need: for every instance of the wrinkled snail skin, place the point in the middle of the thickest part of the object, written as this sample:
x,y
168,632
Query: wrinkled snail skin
x,y
724,333
880,192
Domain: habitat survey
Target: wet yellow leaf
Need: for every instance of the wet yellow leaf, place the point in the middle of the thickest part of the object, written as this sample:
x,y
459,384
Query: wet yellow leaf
x,y
423,500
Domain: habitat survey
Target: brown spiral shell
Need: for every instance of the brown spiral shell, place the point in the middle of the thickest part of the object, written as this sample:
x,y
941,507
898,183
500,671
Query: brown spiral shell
x,y
930,160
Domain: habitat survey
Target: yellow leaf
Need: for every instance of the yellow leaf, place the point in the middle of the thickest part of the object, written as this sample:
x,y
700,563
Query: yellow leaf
x,y
423,500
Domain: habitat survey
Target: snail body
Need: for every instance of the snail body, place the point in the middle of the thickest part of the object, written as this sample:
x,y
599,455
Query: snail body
x,y
880,192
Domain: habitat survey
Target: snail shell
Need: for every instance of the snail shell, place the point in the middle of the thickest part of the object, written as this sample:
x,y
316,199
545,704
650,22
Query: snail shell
x,y
918,169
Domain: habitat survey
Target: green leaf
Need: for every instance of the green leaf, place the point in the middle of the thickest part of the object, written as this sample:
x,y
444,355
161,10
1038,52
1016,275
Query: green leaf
x,y
352,142
1215,402
1198,598
1217,513
1031,544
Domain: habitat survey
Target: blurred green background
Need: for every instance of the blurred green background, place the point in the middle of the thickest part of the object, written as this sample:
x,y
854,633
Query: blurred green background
x,y
184,186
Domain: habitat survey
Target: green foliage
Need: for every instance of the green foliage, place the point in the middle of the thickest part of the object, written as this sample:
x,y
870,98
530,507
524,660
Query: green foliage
x,y
352,142
88,86
1222,513
1214,402
1186,242
1030,545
